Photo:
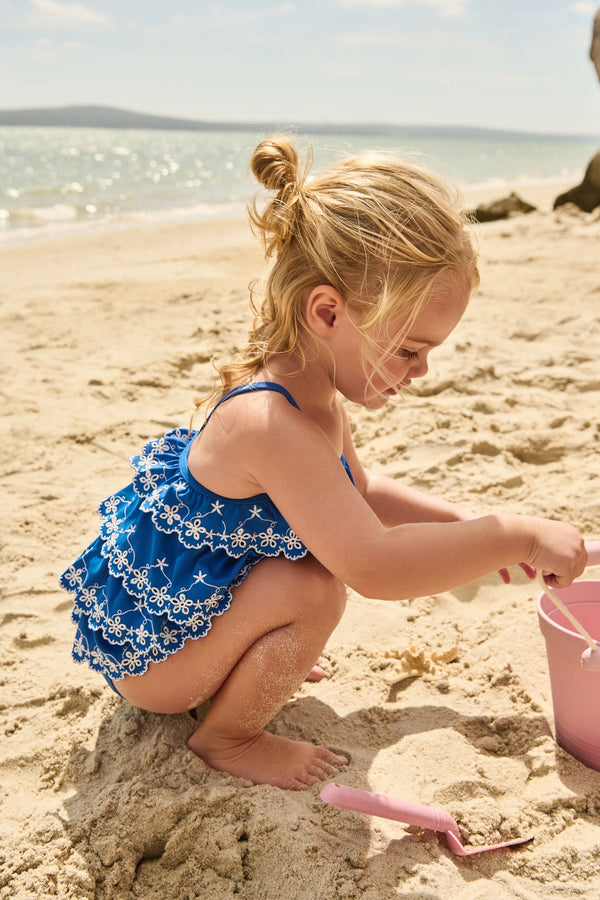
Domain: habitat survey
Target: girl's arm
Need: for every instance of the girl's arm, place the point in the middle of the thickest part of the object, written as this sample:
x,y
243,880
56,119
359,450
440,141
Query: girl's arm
x,y
292,460
393,502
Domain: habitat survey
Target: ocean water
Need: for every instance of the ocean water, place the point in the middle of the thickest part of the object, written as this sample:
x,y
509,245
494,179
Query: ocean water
x,y
57,180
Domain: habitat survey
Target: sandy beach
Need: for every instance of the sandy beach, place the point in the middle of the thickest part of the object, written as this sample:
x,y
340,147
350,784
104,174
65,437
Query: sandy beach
x,y
106,339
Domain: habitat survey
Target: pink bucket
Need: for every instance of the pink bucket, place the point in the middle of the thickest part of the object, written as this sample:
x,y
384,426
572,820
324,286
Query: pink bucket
x,y
575,690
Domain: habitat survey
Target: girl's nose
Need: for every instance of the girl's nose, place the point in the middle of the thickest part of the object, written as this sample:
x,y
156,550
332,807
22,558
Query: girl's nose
x,y
419,368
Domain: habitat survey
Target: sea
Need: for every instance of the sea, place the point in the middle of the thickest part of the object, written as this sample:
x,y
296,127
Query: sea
x,y
57,180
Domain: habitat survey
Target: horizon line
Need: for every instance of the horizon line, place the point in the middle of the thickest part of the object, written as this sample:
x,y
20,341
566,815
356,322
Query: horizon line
x,y
121,118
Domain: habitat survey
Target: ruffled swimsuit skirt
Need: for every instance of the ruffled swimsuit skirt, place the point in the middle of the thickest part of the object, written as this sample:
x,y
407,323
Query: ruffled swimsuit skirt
x,y
168,556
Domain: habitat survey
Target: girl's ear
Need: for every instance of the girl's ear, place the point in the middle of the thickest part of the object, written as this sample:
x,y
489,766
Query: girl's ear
x,y
323,308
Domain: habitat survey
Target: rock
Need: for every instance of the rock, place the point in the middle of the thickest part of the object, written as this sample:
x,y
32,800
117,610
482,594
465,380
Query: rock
x,y
587,194
501,209
595,48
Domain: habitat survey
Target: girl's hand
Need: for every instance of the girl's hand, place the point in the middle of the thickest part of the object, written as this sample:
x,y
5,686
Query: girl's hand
x,y
557,550
505,574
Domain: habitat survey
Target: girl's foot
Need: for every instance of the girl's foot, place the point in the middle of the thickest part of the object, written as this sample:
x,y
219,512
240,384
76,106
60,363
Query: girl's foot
x,y
268,759
318,671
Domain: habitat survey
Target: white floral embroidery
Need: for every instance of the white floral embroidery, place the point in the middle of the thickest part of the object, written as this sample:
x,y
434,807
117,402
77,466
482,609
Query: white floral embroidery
x,y
88,596
73,575
142,634
139,578
159,445
194,528
97,656
112,526
168,636
120,558
131,659
97,613
115,626
239,538
112,540
181,604
197,623
268,538
149,480
292,541
160,596
171,513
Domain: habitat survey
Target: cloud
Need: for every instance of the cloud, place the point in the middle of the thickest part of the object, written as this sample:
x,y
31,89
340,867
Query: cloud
x,y
344,71
370,38
234,18
584,8
437,40
446,8
242,17
51,15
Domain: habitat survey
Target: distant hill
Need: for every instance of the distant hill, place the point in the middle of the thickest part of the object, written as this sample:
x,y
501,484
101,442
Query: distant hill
x,y
112,117
102,117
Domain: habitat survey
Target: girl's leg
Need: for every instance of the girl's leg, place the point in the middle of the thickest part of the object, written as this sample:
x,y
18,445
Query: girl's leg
x,y
251,661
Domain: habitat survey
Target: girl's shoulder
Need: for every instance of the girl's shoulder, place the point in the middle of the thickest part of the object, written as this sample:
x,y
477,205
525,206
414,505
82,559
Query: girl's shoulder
x,y
252,410
242,424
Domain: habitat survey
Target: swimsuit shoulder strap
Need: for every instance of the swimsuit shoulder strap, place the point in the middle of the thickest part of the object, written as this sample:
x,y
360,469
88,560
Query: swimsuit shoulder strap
x,y
250,388
267,386
258,386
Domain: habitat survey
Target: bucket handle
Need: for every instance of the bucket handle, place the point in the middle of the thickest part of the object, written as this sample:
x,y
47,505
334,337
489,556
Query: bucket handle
x,y
593,552
568,614
590,658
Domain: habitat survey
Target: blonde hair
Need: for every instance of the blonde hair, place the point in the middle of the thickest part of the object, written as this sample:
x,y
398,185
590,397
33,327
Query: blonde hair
x,y
382,231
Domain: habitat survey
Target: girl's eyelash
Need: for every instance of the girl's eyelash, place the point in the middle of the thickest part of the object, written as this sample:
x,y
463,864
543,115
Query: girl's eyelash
x,y
405,353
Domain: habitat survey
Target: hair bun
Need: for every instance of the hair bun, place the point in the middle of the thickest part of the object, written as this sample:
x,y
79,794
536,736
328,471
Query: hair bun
x,y
274,164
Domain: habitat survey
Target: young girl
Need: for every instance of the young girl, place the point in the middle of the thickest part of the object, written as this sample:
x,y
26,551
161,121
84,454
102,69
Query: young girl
x,y
220,571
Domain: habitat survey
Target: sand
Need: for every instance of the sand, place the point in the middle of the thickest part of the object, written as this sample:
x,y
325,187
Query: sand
x,y
107,337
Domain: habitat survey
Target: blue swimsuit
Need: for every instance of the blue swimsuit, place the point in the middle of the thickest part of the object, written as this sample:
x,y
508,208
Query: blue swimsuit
x,y
167,558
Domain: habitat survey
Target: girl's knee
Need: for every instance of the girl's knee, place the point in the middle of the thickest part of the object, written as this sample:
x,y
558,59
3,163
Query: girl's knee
x,y
299,589
326,593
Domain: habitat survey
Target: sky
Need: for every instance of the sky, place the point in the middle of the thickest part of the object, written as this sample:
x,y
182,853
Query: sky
x,y
509,64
